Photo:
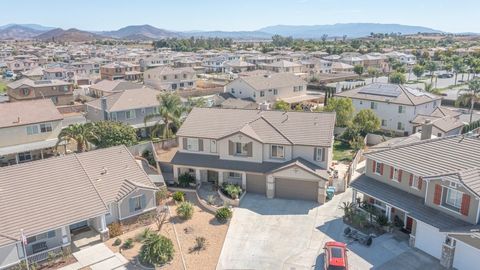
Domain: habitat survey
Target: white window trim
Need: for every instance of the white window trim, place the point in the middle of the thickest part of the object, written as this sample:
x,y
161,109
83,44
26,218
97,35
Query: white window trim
x,y
132,114
319,153
192,144
277,157
395,175
213,146
379,172
242,148
455,191
415,180
235,177
138,197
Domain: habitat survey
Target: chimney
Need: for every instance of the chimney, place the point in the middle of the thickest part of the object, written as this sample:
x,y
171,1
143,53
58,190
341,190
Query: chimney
x,y
103,101
426,130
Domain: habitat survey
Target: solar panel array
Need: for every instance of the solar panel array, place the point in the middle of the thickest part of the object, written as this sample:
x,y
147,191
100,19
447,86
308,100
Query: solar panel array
x,y
388,90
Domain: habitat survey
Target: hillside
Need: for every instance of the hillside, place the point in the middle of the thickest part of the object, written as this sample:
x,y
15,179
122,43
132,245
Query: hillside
x,y
70,35
18,32
140,32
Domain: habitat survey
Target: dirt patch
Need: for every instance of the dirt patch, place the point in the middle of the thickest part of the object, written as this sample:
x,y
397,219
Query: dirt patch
x,y
166,155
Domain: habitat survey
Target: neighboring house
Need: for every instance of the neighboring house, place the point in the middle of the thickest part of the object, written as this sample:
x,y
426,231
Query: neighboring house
x,y
168,78
107,87
129,107
121,71
267,88
339,67
352,60
395,105
283,66
28,131
273,153
237,66
60,92
375,61
34,74
441,124
70,194
408,59
431,189
317,66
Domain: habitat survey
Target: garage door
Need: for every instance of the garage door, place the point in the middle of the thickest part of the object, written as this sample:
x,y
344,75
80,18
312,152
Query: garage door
x,y
296,189
256,184
466,257
429,239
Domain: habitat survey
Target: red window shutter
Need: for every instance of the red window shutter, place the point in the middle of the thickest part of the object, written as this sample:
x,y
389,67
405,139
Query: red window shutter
x,y
391,172
410,181
373,166
437,195
400,176
465,204
381,168
420,183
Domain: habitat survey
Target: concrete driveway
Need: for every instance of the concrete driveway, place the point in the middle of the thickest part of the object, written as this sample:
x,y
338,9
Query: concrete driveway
x,y
97,257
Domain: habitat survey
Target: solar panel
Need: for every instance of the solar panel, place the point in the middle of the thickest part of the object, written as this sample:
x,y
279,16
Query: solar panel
x,y
388,90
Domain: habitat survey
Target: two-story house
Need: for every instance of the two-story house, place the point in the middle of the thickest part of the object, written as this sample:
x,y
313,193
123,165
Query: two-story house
x,y
107,87
51,201
121,71
28,131
129,107
60,92
283,66
274,153
395,105
168,78
431,189
267,88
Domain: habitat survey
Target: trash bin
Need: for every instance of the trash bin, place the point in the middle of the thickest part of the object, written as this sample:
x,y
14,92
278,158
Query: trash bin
x,y
330,192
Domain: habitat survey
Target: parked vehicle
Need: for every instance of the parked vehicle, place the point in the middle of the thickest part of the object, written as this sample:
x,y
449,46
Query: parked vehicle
x,y
445,75
335,256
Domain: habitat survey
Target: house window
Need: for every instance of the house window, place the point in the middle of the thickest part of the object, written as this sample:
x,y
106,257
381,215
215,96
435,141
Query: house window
x,y
401,109
234,175
384,123
25,91
378,168
318,154
46,127
275,91
262,93
113,116
164,77
240,149
452,198
213,146
130,114
137,203
232,91
182,84
25,156
395,174
400,126
184,76
190,83
373,105
192,144
65,88
415,180
278,151
32,130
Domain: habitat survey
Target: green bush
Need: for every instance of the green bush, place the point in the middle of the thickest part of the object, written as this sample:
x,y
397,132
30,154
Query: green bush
x,y
185,210
141,236
382,220
233,191
117,242
185,179
128,244
156,250
178,196
161,195
115,229
148,155
223,214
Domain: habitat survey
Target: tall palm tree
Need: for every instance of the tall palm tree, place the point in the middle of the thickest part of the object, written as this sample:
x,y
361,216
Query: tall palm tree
x,y
170,112
470,96
82,134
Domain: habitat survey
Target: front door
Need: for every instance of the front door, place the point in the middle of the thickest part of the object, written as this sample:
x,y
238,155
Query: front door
x,y
212,176
78,226
408,226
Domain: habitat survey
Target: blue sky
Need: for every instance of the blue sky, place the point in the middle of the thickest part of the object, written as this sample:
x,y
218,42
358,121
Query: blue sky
x,y
447,15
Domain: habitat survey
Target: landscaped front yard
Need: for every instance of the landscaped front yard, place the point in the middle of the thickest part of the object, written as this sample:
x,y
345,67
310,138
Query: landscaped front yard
x,y
342,151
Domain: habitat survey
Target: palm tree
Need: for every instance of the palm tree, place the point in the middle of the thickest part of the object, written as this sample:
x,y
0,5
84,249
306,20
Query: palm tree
x,y
82,134
470,96
170,111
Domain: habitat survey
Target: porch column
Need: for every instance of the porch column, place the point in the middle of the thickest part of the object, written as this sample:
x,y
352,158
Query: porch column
x,y
404,220
198,176
175,173
220,178
322,192
388,212
354,196
16,158
41,153
65,239
270,186
244,180
104,235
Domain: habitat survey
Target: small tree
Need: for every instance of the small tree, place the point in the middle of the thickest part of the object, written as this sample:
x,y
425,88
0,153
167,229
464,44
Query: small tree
x,y
281,106
418,70
397,78
358,69
156,250
366,122
343,107
185,210
110,134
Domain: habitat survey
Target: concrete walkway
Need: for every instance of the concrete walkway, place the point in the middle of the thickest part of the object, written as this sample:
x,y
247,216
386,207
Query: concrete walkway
x,y
97,257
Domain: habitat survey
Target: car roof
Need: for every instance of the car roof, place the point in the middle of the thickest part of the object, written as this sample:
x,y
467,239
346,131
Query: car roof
x,y
337,256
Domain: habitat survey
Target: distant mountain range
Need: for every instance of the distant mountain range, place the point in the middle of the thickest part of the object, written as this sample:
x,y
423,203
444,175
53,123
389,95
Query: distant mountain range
x,y
148,32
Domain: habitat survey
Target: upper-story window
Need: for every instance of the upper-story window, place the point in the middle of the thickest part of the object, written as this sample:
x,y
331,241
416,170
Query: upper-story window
x,y
275,91
232,90
192,144
130,114
395,174
452,198
241,149
400,126
384,123
45,127
277,151
378,168
213,146
414,183
373,105
25,91
262,93
401,109
319,154
164,77
32,130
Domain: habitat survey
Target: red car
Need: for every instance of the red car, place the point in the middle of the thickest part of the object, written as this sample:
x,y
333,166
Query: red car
x,y
335,256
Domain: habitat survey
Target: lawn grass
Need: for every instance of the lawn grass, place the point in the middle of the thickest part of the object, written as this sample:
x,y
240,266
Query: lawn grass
x,y
342,151
3,87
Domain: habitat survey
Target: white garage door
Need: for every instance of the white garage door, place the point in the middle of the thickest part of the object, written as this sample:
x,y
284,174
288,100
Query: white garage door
x,y
429,239
466,257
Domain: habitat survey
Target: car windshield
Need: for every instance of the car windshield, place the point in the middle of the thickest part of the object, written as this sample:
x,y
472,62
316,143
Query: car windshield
x,y
337,252
333,267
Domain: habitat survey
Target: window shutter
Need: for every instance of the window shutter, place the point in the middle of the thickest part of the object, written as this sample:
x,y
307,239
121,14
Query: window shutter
x,y
410,181
143,201
391,172
437,195
420,183
371,200
249,149
400,176
230,148
200,145
184,143
374,165
381,168
323,154
315,154
131,205
465,204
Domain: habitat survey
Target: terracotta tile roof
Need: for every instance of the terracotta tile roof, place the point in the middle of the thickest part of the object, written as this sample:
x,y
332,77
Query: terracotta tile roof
x,y
21,113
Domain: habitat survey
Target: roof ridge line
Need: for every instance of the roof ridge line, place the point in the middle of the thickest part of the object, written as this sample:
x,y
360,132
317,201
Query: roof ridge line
x,y
276,129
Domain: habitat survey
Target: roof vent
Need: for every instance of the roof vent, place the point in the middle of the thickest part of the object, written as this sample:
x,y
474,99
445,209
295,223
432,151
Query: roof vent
x,y
104,171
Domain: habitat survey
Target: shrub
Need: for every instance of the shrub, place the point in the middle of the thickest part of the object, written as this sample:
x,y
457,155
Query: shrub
x,y
200,243
117,242
128,244
223,214
143,235
178,196
161,195
156,250
185,210
233,191
148,155
115,229
211,199
185,179
382,220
